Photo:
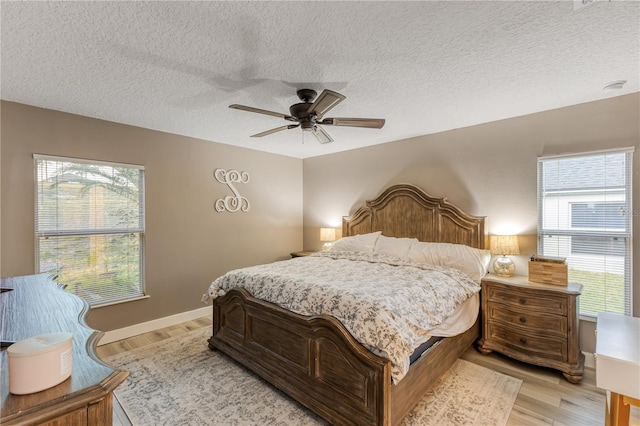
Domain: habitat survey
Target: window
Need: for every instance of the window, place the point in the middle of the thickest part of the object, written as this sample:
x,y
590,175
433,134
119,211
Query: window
x,y
89,225
585,214
598,215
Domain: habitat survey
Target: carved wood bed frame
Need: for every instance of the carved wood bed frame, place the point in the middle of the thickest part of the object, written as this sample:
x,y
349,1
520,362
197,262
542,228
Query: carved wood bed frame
x,y
314,359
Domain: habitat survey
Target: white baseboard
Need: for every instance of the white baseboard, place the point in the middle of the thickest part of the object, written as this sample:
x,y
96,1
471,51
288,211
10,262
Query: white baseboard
x,y
145,327
589,360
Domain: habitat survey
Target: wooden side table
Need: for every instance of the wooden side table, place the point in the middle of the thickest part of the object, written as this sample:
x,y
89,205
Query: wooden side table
x,y
532,322
302,253
618,364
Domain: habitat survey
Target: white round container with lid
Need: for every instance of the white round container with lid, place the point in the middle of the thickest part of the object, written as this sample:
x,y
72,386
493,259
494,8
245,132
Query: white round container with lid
x,y
40,362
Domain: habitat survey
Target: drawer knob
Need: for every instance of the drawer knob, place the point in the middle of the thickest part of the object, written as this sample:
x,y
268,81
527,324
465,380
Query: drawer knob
x,y
523,340
523,300
523,320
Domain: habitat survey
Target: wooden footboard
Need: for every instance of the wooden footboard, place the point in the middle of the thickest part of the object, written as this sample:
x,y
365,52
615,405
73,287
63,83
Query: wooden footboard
x,y
316,361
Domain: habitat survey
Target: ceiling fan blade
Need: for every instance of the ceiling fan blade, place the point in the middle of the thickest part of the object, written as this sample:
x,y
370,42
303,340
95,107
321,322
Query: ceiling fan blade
x,y
262,111
277,129
372,123
321,135
323,103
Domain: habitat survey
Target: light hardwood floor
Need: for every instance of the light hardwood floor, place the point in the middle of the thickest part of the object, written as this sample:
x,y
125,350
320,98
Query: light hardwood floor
x,y
545,397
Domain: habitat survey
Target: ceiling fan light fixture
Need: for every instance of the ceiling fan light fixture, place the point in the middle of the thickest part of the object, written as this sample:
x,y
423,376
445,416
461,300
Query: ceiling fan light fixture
x,y
308,124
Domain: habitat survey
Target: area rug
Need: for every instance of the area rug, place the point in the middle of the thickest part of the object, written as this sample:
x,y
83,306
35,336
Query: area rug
x,y
179,381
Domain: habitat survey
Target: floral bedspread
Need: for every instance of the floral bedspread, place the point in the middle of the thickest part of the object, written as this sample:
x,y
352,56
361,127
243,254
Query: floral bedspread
x,y
387,304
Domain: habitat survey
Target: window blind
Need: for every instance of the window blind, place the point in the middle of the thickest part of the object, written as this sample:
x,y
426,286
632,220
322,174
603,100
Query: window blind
x,y
585,215
89,226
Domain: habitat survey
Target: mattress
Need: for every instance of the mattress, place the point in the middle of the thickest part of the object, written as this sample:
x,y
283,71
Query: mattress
x,y
460,321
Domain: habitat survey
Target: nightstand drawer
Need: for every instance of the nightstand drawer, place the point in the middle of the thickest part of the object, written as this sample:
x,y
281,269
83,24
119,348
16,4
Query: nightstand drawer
x,y
525,300
544,347
543,323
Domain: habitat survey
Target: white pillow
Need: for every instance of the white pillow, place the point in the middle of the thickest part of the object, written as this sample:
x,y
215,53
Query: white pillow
x,y
472,261
364,242
398,247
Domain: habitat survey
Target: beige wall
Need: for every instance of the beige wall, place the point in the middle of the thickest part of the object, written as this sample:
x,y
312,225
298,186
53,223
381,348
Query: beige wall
x,y
188,243
488,170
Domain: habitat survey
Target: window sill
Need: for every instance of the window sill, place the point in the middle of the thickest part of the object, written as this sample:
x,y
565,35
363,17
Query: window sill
x,y
117,302
588,318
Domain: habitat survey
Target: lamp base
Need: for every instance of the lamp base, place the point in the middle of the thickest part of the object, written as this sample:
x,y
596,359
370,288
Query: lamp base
x,y
327,246
504,266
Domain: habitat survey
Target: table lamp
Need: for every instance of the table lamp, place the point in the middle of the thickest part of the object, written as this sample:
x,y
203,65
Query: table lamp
x,y
504,245
328,236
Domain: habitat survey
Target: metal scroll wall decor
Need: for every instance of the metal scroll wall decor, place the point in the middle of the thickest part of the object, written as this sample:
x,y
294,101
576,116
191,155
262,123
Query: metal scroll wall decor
x,y
237,201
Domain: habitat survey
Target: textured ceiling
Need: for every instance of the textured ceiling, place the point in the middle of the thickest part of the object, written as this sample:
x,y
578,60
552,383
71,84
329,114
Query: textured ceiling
x,y
425,67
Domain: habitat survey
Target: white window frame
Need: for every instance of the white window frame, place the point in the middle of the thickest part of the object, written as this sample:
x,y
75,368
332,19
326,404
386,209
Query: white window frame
x,y
558,231
57,233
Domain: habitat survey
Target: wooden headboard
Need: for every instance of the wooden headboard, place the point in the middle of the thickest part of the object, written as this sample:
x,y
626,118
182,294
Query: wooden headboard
x,y
406,211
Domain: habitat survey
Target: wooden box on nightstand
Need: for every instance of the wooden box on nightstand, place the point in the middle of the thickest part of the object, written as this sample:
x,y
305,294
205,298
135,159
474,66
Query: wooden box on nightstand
x,y
532,322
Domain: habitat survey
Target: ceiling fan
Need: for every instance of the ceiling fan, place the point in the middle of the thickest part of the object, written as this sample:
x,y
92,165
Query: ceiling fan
x,y
309,114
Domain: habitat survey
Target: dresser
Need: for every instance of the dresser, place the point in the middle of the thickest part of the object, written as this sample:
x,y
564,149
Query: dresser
x,y
34,305
532,322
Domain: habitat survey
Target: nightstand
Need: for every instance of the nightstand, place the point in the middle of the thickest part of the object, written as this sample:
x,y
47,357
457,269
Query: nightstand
x,y
532,322
301,253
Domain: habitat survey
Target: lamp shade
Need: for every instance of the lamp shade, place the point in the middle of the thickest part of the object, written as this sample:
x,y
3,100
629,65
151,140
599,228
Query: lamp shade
x,y
504,244
327,234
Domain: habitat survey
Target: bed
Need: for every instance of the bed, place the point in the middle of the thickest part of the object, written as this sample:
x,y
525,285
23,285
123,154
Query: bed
x,y
315,359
